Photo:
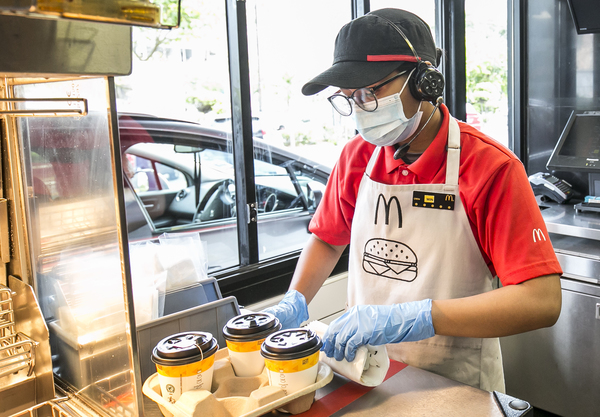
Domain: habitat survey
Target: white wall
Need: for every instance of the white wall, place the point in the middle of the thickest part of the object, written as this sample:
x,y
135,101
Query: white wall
x,y
328,304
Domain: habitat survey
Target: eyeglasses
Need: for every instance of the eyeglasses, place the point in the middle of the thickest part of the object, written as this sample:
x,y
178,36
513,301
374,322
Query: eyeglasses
x,y
364,98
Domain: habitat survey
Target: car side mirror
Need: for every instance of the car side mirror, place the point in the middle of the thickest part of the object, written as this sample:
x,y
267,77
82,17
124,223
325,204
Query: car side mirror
x,y
315,195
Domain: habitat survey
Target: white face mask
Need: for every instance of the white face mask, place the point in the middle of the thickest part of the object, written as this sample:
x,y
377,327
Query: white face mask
x,y
388,124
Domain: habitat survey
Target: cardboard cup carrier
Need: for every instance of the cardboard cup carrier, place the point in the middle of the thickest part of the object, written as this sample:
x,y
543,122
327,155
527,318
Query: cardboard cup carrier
x,y
291,358
185,361
245,335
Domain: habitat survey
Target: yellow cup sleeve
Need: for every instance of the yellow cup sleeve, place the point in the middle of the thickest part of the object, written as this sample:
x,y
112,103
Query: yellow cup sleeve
x,y
295,365
244,347
186,370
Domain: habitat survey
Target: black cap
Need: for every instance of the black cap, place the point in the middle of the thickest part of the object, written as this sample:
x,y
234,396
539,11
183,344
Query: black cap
x,y
369,48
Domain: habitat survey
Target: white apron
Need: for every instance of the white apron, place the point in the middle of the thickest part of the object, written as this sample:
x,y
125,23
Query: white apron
x,y
412,242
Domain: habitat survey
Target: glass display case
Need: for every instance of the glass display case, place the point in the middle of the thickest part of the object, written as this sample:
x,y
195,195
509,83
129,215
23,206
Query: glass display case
x,y
63,199
71,340
75,242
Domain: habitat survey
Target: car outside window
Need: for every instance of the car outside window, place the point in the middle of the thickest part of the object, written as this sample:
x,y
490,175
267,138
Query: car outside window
x,y
171,178
184,182
147,175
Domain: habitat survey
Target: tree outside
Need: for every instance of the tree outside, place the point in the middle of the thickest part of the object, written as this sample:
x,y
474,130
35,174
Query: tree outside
x,y
183,73
486,46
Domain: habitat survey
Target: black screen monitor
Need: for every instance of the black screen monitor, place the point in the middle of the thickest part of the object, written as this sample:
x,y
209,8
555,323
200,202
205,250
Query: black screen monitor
x,y
578,148
586,15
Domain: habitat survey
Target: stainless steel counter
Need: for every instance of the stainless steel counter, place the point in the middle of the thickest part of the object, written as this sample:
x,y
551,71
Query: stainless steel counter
x,y
574,235
553,368
563,219
409,392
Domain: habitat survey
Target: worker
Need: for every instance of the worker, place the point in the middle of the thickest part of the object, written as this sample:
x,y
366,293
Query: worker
x,y
432,209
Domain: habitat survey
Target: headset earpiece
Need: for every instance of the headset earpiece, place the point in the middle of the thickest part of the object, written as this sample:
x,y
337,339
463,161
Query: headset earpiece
x,y
428,83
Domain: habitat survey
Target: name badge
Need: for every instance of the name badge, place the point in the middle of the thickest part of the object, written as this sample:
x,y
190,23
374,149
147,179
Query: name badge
x,y
433,200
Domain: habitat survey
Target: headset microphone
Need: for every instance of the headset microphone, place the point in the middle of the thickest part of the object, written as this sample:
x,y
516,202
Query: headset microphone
x,y
428,85
402,150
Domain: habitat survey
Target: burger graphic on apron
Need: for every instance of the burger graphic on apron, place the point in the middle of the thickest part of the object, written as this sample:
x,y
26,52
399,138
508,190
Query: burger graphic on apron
x,y
390,259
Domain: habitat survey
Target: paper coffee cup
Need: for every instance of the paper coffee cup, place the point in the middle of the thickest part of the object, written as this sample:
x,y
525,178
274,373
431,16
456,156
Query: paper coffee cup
x,y
245,335
292,358
185,361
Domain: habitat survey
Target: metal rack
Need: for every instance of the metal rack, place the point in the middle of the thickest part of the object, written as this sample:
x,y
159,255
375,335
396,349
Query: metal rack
x,y
25,364
113,394
7,315
65,404
49,408
17,350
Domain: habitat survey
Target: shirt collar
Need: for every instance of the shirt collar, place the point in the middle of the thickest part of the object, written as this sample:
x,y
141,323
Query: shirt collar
x,y
432,159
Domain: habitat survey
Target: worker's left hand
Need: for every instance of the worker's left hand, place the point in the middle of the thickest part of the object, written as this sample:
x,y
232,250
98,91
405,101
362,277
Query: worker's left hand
x,y
291,311
377,325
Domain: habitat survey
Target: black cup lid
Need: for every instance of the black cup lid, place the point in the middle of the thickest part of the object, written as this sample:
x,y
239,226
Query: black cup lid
x,y
251,323
185,345
291,343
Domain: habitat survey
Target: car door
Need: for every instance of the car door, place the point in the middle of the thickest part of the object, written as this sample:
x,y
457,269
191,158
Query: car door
x,y
157,185
159,161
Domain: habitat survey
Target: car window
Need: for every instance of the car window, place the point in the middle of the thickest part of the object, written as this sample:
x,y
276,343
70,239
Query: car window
x,y
187,184
171,178
147,175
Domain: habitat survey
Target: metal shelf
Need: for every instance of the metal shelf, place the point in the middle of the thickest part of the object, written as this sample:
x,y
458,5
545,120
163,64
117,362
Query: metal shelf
x,y
565,220
125,12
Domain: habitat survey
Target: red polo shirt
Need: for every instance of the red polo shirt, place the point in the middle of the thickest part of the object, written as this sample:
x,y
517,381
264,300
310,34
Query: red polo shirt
x,y
494,190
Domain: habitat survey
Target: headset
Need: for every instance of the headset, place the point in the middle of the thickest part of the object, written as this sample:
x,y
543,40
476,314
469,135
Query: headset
x,y
428,83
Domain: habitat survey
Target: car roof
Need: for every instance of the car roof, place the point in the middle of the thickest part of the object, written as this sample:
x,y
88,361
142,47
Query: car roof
x,y
135,128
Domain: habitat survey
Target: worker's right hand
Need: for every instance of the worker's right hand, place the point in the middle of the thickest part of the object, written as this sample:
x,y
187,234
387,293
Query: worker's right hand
x,y
291,311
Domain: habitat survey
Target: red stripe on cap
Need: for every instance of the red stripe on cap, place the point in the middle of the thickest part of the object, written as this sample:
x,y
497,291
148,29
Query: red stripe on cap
x,y
376,58
346,394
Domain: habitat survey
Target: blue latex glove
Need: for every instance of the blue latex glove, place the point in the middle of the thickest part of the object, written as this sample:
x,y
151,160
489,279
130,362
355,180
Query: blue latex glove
x,y
377,325
291,311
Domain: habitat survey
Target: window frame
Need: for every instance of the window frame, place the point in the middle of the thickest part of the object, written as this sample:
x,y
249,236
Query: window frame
x,y
252,280
296,172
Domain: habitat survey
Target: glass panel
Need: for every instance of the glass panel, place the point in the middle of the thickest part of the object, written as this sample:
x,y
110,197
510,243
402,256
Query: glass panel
x,y
75,247
168,163
180,75
285,194
284,54
486,44
171,178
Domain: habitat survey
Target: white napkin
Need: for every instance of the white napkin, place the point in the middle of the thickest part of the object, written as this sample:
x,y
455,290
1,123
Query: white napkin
x,y
368,368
